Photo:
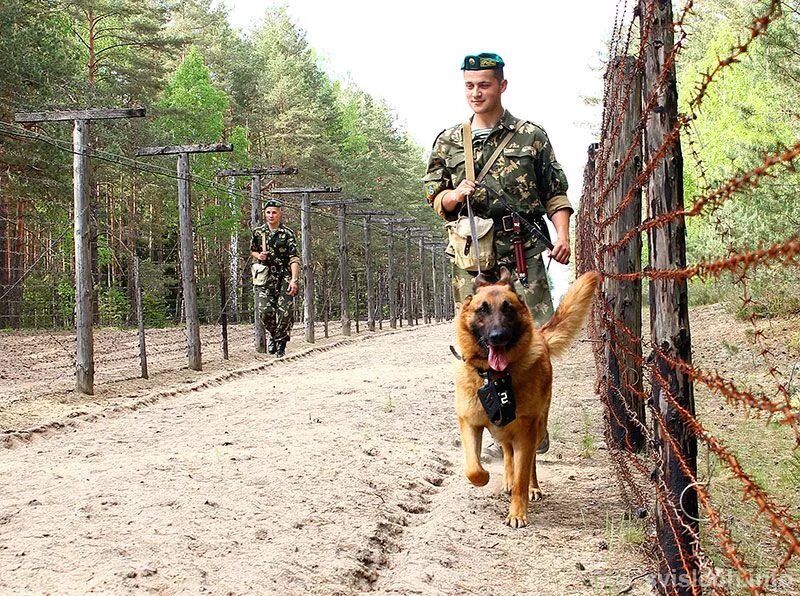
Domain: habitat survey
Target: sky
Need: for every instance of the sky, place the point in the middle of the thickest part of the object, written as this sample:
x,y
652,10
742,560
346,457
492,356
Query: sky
x,y
409,53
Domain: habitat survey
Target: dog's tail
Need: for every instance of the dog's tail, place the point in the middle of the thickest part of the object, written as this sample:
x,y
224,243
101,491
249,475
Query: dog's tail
x,y
568,320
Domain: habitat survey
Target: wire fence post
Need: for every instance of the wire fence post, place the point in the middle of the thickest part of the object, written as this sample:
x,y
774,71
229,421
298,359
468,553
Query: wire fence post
x,y
409,306
391,278
256,219
357,299
421,284
379,298
325,298
140,317
223,313
233,307
368,272
344,273
624,354
669,313
308,267
188,281
84,286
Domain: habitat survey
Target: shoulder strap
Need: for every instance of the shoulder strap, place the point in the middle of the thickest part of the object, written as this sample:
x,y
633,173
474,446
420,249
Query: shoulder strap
x,y
469,158
502,145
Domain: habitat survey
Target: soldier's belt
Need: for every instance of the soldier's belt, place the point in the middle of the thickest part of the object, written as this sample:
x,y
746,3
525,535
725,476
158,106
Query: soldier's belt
x,y
505,223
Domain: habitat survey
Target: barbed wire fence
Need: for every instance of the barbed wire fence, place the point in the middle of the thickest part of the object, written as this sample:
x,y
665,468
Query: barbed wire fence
x,y
37,275
647,382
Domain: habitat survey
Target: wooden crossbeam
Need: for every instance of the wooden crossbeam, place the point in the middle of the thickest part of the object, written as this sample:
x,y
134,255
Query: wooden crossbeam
x,y
371,213
398,220
261,171
178,149
95,114
309,190
337,202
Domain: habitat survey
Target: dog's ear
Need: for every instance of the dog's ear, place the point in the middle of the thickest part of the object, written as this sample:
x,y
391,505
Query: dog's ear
x,y
483,280
505,277
466,301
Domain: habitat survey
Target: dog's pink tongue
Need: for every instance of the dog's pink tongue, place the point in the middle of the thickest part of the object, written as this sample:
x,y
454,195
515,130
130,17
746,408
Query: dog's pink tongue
x,y
498,359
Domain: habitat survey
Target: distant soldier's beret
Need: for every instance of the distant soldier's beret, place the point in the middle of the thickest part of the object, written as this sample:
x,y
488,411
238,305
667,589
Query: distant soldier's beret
x,y
482,61
272,202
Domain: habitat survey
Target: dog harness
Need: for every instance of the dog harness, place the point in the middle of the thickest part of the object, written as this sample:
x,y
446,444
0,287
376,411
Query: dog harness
x,y
496,395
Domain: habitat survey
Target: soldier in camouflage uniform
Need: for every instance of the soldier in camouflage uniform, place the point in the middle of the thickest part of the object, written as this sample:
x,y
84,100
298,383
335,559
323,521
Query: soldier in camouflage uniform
x,y
526,169
275,259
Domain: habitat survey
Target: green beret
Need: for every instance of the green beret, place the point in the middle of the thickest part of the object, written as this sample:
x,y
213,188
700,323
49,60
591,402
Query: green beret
x,y
272,202
482,61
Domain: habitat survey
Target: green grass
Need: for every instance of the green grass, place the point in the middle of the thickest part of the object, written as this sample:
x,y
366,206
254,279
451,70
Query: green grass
x,y
588,442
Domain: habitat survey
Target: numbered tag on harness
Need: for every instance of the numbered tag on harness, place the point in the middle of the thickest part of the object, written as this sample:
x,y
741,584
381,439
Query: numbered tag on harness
x,y
497,398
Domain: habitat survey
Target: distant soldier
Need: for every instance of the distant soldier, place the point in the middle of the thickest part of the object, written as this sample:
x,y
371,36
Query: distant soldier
x,y
276,269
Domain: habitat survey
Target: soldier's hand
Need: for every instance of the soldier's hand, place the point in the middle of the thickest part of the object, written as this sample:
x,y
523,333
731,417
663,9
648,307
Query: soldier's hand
x,y
262,256
292,291
560,251
463,190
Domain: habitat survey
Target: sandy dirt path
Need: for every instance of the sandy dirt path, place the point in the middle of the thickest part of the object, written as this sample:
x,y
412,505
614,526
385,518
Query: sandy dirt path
x,y
336,472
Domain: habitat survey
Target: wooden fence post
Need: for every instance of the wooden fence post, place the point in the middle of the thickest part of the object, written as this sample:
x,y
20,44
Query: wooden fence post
x,y
357,298
409,306
391,268
379,286
423,299
344,273
669,313
623,355
391,277
188,282
233,307
308,267
140,317
84,286
223,315
325,297
437,312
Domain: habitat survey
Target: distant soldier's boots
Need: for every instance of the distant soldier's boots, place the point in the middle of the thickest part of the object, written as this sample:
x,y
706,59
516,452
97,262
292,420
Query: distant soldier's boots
x,y
280,348
271,346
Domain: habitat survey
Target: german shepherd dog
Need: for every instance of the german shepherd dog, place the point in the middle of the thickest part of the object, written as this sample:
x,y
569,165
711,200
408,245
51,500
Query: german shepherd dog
x,y
496,335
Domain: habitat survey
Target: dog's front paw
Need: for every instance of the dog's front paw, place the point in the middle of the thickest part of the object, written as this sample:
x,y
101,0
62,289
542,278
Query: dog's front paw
x,y
518,520
478,477
536,494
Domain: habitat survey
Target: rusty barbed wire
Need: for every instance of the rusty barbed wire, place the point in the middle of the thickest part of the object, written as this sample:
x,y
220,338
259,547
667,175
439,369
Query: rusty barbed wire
x,y
609,335
757,28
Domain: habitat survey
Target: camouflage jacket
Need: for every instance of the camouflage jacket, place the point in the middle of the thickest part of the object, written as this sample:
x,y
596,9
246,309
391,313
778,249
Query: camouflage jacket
x,y
281,248
526,169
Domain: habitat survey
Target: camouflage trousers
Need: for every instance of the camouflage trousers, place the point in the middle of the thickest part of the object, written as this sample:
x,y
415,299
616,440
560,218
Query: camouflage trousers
x,y
536,295
274,307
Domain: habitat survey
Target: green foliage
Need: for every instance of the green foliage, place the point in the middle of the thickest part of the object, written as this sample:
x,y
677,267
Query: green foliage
x,y
194,107
114,306
201,81
156,287
749,112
